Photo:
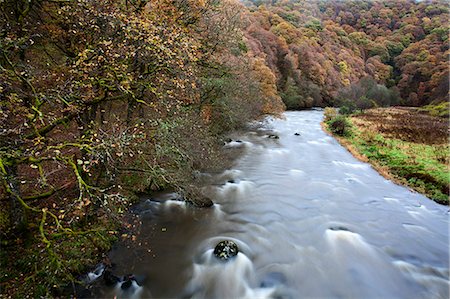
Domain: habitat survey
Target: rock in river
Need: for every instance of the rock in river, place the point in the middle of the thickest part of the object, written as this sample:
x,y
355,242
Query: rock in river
x,y
226,250
200,202
109,278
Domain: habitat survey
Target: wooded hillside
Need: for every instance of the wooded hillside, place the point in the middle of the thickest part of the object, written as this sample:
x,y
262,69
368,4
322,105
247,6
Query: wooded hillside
x,y
320,50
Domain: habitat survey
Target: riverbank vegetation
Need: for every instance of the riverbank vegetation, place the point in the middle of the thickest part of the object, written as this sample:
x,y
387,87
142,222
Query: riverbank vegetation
x,y
404,144
101,100
321,50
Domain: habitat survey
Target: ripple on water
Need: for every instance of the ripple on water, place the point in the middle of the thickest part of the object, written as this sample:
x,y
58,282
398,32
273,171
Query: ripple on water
x,y
351,165
297,172
435,280
416,229
353,181
391,199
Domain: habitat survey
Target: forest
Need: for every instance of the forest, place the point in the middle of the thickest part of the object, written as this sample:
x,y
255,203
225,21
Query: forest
x,y
371,53
101,101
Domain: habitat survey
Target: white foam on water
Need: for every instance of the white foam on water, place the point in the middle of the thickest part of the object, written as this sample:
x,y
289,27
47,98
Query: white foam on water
x,y
135,291
237,144
278,151
218,211
175,204
213,278
437,286
239,188
98,271
338,237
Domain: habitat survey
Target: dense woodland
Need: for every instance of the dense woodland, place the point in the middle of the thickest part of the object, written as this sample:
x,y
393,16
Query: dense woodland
x,y
102,100
367,52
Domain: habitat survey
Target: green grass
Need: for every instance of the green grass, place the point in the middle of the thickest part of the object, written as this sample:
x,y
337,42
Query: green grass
x,y
440,110
423,167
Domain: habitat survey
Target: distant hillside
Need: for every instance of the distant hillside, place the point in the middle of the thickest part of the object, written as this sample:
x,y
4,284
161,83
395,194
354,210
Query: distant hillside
x,y
320,50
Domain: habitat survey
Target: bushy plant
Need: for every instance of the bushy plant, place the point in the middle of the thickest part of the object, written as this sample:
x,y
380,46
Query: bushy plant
x,y
347,107
339,125
330,113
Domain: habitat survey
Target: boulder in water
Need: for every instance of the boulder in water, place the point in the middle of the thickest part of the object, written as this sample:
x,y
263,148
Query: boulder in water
x,y
226,250
127,282
200,202
109,278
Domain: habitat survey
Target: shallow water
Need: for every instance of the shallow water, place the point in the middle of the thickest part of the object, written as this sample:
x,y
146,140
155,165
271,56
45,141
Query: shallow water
x,y
309,219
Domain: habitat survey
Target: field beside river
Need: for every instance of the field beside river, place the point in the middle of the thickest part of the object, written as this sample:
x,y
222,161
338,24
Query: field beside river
x,y
403,144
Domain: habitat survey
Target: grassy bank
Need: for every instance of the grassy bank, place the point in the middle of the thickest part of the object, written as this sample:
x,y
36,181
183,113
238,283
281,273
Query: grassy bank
x,y
403,144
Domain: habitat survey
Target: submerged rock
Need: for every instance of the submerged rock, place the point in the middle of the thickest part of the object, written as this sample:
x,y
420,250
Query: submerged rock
x,y
202,202
226,250
128,282
338,228
109,278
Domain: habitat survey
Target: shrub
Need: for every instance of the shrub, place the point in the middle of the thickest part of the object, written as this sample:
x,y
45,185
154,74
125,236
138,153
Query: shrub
x,y
339,125
364,103
330,113
348,107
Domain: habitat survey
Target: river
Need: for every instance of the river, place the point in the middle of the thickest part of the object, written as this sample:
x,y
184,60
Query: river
x,y
310,221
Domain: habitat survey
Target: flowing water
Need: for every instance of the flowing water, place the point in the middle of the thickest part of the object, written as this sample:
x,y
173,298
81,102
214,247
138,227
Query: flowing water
x,y
309,219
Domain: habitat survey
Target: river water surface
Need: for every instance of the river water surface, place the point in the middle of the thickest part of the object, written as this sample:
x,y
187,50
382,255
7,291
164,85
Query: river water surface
x,y
310,221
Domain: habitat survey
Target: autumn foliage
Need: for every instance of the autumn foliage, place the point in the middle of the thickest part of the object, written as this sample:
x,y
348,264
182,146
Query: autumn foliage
x,y
316,49
101,100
